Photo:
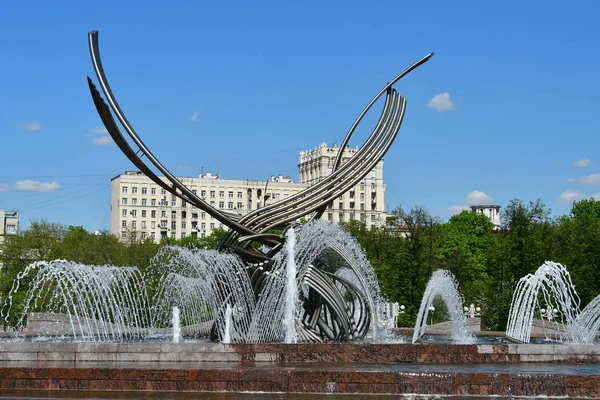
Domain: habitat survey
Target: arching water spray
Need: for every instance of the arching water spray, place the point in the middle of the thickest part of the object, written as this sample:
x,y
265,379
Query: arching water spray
x,y
443,285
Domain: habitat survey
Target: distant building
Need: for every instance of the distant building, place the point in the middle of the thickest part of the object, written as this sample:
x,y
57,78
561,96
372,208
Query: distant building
x,y
9,223
364,202
141,207
491,211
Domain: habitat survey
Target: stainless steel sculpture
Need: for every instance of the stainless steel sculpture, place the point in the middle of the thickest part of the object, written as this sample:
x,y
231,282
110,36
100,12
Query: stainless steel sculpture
x,y
327,315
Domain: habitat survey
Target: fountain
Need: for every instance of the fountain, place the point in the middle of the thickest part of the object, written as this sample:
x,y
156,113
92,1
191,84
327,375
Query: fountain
x,y
204,293
443,285
553,283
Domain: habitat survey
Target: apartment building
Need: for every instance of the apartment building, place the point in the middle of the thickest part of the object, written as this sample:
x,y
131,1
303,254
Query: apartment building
x,y
365,202
141,207
9,223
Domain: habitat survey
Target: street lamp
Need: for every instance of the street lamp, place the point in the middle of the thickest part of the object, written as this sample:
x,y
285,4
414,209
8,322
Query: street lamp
x,y
431,310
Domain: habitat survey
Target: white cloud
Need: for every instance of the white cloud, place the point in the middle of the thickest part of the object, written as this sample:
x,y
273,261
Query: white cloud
x,y
195,116
4,188
476,197
35,186
457,208
30,126
101,130
102,140
569,196
593,179
584,162
441,102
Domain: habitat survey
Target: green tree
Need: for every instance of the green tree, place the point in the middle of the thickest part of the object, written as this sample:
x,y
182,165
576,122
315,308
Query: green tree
x,y
464,252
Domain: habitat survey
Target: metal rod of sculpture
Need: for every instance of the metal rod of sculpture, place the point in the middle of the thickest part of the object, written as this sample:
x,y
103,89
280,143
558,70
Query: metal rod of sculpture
x,y
256,226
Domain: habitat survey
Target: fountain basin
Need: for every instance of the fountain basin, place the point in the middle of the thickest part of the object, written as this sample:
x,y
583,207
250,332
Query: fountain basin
x,y
499,370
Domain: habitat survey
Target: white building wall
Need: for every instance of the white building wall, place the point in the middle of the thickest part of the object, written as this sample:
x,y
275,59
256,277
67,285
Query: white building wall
x,y
365,202
141,207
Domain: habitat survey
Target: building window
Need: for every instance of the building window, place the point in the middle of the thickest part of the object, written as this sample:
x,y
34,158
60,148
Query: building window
x,y
340,205
221,204
133,224
173,225
172,235
143,213
124,212
183,224
194,191
183,214
352,195
163,214
174,203
362,207
203,193
194,216
153,202
124,223
221,193
152,213
230,205
212,194
212,226
143,202
183,235
362,196
153,191
239,195
124,190
230,195
143,235
202,235
372,186
143,224
373,218
152,224
124,235
134,201
240,205
203,225
173,214
330,216
144,190
134,213
203,215
183,203
362,186
212,204
163,191
134,190
124,201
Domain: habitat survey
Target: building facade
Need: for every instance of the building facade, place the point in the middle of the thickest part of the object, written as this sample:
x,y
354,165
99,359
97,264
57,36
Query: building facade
x,y
141,207
492,211
365,202
9,223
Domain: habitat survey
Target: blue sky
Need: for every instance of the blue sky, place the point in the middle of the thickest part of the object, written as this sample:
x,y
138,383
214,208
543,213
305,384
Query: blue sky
x,y
507,108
